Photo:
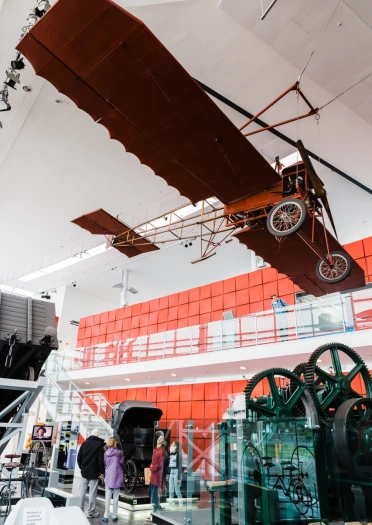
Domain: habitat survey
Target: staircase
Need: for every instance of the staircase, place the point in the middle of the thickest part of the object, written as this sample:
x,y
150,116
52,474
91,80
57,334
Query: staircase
x,y
65,401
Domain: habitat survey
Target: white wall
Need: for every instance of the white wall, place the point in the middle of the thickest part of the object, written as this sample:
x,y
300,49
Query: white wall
x,y
77,304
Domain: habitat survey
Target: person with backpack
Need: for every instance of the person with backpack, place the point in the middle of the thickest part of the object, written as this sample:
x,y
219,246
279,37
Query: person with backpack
x,y
90,461
114,478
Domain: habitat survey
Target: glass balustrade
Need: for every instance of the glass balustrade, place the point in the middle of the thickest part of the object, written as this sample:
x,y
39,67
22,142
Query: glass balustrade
x,y
328,315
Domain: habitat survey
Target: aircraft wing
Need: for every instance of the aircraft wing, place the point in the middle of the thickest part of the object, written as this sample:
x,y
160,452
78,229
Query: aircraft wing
x,y
128,242
111,65
296,260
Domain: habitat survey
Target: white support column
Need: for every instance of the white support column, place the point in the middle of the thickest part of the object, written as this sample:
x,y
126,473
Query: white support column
x,y
124,288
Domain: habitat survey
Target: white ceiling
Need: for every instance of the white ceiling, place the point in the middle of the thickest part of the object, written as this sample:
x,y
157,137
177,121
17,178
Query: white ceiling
x,y
56,164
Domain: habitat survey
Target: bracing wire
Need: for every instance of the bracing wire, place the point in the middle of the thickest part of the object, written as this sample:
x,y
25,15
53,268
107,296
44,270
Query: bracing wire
x,y
346,90
319,40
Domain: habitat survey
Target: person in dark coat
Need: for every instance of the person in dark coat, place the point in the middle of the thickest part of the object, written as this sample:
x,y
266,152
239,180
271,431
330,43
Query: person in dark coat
x,y
90,461
114,478
159,457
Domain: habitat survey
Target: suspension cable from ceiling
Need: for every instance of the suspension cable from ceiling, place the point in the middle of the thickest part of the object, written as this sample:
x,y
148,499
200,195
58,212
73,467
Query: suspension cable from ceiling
x,y
345,91
319,40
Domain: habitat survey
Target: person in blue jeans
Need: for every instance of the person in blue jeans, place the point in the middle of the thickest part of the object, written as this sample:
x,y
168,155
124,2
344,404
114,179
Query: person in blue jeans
x,y
279,307
175,472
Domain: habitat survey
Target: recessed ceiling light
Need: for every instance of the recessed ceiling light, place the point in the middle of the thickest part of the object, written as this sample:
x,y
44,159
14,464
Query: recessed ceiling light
x,y
174,375
243,368
127,379
87,383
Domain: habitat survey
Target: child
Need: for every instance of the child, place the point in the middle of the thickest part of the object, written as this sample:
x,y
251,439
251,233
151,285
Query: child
x,y
114,478
175,472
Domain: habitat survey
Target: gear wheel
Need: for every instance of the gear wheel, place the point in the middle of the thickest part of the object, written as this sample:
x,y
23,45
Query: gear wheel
x,y
280,401
299,370
330,389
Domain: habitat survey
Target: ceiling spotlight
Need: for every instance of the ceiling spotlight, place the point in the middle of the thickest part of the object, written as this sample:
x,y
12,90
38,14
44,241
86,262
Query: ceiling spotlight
x,y
18,63
45,295
127,379
165,217
28,89
132,290
41,8
243,368
186,245
1,125
12,79
174,375
74,284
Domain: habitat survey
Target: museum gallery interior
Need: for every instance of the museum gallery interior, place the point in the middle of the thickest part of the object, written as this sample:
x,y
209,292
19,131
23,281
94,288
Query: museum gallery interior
x,y
186,262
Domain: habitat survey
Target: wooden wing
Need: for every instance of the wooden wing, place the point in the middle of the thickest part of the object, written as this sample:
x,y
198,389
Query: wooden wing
x,y
111,65
297,261
123,238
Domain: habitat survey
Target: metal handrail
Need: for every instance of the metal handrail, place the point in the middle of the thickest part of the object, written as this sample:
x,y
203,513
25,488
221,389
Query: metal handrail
x,y
88,410
251,330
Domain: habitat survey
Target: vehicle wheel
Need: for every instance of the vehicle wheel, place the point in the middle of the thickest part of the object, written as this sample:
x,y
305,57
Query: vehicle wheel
x,y
130,476
5,502
300,496
339,271
286,217
35,471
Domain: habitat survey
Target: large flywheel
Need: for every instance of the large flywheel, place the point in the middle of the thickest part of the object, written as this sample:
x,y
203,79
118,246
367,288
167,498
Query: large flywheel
x,y
331,373
278,392
352,436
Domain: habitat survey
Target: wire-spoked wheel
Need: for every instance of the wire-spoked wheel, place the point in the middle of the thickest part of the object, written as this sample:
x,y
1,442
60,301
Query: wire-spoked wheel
x,y
35,471
304,459
338,271
286,217
5,502
130,476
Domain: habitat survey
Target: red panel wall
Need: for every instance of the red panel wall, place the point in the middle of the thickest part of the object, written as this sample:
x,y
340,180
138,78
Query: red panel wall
x,y
243,294
202,402
361,251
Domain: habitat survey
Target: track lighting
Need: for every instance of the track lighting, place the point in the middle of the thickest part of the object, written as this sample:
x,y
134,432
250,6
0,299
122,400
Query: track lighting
x,y
42,8
4,104
18,63
12,79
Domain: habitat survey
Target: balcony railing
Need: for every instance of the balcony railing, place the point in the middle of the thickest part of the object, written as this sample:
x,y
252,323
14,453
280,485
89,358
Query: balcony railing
x,y
329,315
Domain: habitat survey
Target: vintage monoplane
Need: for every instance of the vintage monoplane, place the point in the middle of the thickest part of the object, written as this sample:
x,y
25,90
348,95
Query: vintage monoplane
x,y
111,65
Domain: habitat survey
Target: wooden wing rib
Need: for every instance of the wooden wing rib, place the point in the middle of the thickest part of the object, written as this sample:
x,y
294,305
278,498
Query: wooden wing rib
x,y
125,240
112,66
293,258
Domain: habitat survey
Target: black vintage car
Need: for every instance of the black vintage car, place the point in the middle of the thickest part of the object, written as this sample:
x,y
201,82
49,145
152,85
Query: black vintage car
x,y
135,425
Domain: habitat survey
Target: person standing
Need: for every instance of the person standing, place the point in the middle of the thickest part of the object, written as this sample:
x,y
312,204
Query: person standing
x,y
159,457
175,472
114,478
91,463
279,307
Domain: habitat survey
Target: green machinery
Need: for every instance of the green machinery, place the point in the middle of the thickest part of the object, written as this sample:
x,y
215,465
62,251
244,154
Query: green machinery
x,y
303,452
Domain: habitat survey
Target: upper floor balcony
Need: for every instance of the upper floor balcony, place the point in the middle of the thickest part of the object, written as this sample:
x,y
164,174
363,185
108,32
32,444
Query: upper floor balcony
x,y
339,315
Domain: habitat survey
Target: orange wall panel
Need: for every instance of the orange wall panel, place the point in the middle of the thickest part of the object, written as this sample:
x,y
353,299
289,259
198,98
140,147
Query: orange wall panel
x,y
355,249
229,285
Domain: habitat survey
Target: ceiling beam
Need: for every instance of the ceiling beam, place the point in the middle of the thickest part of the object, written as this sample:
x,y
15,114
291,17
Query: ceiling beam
x,y
263,124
